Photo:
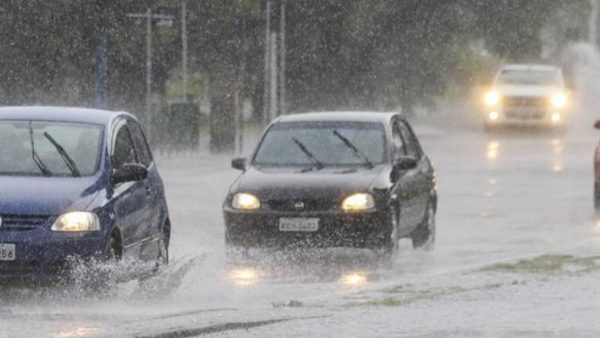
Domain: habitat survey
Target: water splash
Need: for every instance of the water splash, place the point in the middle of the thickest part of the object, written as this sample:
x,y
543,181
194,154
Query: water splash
x,y
584,60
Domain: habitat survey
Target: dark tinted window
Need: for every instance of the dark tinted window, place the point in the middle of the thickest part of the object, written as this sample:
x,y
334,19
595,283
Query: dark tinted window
x,y
123,151
412,147
399,148
141,146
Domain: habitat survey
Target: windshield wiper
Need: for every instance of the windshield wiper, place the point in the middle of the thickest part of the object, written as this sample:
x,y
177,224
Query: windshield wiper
x,y
355,150
38,161
315,162
65,156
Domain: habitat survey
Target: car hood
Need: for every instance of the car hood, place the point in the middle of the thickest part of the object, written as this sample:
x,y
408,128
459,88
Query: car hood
x,y
326,183
527,90
46,195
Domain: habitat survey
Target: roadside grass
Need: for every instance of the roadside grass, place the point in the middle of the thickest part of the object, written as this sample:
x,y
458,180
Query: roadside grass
x,y
542,266
408,297
548,264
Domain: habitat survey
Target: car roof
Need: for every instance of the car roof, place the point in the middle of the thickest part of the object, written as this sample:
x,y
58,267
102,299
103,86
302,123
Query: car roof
x,y
530,66
59,114
339,116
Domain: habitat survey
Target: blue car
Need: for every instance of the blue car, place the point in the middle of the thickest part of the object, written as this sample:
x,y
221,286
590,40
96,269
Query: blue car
x,y
77,185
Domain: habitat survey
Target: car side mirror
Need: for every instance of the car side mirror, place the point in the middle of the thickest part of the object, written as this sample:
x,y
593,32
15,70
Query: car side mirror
x,y
401,164
238,163
597,124
128,173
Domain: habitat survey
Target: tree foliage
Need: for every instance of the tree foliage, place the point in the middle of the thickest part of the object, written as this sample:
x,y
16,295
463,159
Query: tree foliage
x,y
341,53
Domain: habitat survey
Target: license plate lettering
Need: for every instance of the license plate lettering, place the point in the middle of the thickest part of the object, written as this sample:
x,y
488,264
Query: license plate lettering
x,y
298,224
7,252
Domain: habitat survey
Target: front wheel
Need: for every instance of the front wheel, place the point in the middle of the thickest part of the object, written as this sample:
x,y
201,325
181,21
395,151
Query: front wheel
x,y
423,237
389,249
162,258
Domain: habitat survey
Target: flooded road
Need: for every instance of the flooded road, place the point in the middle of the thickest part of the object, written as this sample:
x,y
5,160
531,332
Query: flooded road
x,y
504,196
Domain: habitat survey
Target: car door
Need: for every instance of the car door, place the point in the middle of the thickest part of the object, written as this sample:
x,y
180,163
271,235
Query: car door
x,y
152,184
422,175
405,187
130,198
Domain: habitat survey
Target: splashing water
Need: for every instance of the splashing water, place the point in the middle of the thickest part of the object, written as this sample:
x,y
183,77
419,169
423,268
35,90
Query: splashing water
x,y
584,60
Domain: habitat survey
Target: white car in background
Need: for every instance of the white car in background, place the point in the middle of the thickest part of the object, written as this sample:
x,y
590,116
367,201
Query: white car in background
x,y
527,95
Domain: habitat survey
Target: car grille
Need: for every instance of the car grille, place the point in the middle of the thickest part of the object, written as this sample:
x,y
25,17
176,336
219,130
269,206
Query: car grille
x,y
301,205
23,222
526,115
524,101
18,267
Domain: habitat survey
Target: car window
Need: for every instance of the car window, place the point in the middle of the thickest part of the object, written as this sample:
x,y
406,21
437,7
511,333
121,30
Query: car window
x,y
530,77
78,142
399,148
331,144
412,147
123,151
139,140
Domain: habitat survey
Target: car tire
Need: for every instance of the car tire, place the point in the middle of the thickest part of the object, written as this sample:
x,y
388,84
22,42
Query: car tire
x,y
162,258
423,237
111,254
389,247
96,277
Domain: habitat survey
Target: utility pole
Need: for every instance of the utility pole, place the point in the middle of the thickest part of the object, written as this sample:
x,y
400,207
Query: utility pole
x,y
101,86
149,69
149,16
593,23
267,70
282,51
184,48
273,102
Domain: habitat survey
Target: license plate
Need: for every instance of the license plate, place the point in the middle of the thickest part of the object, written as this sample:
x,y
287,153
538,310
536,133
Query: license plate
x,y
7,252
298,224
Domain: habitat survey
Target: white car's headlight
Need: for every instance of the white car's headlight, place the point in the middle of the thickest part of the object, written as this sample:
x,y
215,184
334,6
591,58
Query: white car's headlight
x,y
559,100
76,221
491,98
358,202
245,201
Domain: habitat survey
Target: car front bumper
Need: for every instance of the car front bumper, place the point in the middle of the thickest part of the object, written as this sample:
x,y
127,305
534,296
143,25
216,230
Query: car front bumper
x,y
336,229
41,253
525,118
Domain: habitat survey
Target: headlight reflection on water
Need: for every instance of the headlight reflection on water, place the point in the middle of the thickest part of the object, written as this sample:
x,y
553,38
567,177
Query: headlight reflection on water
x,y
354,279
492,150
244,276
78,332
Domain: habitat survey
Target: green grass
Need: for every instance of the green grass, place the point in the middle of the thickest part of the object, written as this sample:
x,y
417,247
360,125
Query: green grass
x,y
548,264
409,296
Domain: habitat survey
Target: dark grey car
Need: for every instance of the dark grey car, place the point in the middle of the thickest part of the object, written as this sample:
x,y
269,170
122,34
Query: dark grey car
x,y
351,179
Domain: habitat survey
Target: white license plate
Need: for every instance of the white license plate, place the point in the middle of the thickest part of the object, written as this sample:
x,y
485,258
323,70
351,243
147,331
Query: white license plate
x,y
298,224
7,252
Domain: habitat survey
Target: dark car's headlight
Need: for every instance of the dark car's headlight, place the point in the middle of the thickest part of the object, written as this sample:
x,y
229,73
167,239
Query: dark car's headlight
x,y
245,201
358,202
76,221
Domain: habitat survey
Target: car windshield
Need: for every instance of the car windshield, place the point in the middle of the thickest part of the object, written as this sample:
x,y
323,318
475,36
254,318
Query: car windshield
x,y
40,148
323,144
530,77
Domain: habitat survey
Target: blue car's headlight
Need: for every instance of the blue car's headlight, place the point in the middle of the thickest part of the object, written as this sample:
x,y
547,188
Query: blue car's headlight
x,y
76,221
